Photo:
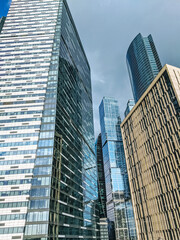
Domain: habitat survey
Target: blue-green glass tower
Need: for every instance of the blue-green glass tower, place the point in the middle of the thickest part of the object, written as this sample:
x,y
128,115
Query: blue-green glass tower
x,y
119,206
143,64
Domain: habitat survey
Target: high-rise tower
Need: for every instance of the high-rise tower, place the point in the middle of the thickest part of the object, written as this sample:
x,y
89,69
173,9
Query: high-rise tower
x,y
152,147
48,182
119,207
2,20
143,64
101,178
129,107
101,190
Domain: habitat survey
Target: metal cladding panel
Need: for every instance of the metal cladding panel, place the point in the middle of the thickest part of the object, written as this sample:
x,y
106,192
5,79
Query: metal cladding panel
x,y
151,142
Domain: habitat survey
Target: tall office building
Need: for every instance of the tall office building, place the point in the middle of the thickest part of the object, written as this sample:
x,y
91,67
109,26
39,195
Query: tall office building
x,y
119,207
103,224
152,147
101,178
48,182
2,20
129,107
143,64
101,190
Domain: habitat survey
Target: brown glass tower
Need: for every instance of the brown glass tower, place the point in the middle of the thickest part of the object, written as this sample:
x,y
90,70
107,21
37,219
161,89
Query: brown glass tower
x,y
151,136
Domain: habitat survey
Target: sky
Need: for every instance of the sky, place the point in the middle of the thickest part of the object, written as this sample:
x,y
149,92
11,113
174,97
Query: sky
x,y
4,7
106,29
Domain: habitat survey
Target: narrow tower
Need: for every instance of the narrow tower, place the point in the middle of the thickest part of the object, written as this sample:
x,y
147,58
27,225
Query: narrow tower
x,y
119,207
129,107
2,20
101,190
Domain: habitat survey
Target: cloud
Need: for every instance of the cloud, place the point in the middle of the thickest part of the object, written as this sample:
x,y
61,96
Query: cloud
x,y
107,27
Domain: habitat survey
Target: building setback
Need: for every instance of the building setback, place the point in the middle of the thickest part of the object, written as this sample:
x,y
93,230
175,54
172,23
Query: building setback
x,y
119,207
152,147
48,182
143,64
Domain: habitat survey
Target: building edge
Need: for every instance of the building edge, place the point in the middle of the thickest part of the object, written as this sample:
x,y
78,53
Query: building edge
x,y
166,67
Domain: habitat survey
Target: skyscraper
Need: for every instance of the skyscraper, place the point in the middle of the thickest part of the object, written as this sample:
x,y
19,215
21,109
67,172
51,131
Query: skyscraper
x,y
143,64
101,178
101,190
2,20
48,182
152,147
119,207
129,107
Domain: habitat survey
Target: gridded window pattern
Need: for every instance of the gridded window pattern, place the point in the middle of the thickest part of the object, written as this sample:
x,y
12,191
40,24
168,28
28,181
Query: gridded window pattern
x,y
130,105
104,229
152,146
26,122
119,214
143,64
48,178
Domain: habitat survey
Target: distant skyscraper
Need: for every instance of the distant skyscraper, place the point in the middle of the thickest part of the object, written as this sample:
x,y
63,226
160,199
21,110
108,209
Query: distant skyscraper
x,y
119,207
152,145
130,105
48,177
143,64
101,177
101,190
2,21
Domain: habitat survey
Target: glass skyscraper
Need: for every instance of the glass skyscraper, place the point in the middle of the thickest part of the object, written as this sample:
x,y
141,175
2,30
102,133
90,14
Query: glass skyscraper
x,y
129,107
119,206
48,177
101,190
101,178
2,20
143,64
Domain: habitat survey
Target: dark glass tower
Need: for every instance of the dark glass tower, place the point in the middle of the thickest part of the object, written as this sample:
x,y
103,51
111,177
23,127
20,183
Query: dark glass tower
x,y
101,190
119,206
48,177
2,20
101,178
143,64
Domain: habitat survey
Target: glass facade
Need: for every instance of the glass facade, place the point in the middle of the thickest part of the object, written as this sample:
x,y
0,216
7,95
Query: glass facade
x,y
101,178
143,64
152,145
130,105
101,190
2,20
104,229
48,177
119,207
